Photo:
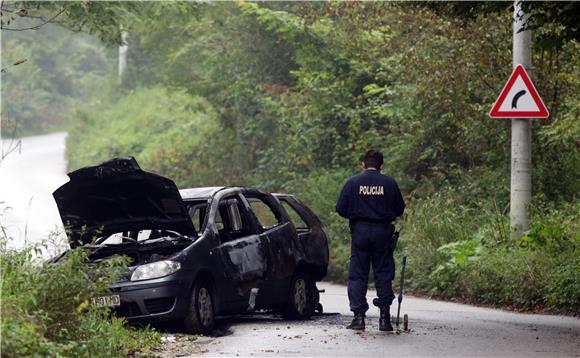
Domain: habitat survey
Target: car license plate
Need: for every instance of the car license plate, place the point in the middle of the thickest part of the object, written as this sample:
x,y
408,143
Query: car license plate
x,y
107,301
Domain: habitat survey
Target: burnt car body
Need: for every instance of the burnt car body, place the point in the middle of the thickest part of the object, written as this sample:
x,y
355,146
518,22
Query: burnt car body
x,y
195,253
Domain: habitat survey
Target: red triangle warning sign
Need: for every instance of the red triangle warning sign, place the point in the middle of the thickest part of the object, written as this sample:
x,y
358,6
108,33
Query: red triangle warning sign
x,y
519,98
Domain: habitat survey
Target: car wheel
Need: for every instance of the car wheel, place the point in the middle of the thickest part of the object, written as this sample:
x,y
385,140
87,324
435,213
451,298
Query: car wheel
x,y
301,300
200,314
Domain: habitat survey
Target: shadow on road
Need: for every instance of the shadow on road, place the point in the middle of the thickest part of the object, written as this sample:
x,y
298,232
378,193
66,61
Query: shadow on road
x,y
225,326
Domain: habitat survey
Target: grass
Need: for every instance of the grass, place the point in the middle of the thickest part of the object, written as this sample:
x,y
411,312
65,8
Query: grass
x,y
46,309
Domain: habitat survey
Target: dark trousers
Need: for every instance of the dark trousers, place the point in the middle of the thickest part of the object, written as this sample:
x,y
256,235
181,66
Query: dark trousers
x,y
371,243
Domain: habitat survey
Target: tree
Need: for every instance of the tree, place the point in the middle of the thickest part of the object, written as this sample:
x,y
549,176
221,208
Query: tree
x,y
554,22
96,17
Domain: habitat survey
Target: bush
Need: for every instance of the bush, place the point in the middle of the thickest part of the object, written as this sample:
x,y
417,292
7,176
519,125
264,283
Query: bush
x,y
47,311
508,277
563,289
450,260
526,278
428,225
458,251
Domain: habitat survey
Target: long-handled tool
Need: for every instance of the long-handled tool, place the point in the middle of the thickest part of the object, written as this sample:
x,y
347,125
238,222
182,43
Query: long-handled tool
x,y
400,298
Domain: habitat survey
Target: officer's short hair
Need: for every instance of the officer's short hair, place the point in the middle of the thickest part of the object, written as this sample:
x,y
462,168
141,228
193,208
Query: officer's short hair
x,y
373,158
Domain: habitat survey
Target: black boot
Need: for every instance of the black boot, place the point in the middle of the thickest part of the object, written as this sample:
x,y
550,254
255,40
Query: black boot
x,y
385,320
358,322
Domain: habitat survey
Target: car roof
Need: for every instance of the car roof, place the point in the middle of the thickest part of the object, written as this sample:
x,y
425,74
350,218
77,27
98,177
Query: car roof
x,y
209,191
200,193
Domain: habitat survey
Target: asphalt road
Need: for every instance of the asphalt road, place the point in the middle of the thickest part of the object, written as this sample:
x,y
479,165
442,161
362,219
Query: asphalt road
x,y
27,181
436,329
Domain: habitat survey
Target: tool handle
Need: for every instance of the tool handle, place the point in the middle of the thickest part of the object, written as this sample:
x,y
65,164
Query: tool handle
x,y
400,298
404,264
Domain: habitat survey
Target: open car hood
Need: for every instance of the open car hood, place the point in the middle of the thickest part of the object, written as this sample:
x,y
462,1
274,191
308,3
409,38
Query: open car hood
x,y
118,196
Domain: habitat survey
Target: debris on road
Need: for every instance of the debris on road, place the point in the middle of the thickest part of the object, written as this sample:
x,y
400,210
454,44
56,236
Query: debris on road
x,y
182,345
169,339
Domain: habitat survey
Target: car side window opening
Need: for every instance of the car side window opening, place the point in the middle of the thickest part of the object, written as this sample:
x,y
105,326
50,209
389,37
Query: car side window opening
x,y
197,212
232,220
266,216
219,222
299,223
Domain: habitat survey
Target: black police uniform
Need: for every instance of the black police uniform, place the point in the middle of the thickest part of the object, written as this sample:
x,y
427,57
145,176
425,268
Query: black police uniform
x,y
371,201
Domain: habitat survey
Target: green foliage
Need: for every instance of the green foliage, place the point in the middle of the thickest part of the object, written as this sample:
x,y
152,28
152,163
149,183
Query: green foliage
x,y
62,62
37,95
450,260
539,270
169,133
539,234
525,278
512,278
46,309
101,18
563,290
440,233
554,228
555,22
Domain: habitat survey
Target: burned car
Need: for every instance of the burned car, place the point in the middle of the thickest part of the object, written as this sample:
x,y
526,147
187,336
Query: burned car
x,y
195,253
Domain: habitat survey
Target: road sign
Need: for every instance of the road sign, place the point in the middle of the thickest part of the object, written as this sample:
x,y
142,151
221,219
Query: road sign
x,y
519,98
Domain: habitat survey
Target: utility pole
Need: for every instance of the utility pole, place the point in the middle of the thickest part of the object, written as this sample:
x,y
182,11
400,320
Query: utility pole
x,y
123,48
521,148
1,141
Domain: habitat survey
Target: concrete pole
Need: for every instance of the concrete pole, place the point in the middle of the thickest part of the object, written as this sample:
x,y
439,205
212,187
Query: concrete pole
x,y
521,156
1,75
1,141
123,48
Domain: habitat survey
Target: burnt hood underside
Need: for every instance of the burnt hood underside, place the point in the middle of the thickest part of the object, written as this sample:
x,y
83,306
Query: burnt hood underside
x,y
118,196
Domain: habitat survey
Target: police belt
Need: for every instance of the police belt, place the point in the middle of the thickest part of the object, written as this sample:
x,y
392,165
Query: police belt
x,y
371,222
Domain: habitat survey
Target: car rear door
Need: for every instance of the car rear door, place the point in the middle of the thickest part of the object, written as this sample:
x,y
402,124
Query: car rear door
x,y
280,238
312,235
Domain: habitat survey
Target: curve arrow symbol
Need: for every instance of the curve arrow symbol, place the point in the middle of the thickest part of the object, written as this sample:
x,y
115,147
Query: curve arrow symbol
x,y
517,97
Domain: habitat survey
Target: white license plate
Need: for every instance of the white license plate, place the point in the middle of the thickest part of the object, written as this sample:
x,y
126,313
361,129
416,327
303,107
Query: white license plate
x,y
107,301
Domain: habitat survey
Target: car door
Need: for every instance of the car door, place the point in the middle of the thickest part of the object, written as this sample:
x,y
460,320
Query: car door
x,y
242,254
312,235
279,237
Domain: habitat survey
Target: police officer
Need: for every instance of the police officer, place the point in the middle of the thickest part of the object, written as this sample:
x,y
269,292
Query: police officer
x,y
371,202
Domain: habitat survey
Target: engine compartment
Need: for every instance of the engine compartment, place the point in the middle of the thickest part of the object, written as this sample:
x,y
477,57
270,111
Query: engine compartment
x,y
139,254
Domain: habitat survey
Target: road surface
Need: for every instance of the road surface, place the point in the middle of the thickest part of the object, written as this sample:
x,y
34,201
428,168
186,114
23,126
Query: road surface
x,y
437,328
27,180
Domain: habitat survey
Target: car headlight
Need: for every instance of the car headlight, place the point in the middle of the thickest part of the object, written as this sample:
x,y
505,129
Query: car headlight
x,y
155,270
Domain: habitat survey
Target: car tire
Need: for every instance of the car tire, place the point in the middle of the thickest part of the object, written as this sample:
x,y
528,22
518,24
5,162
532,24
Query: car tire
x,y
200,316
301,299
